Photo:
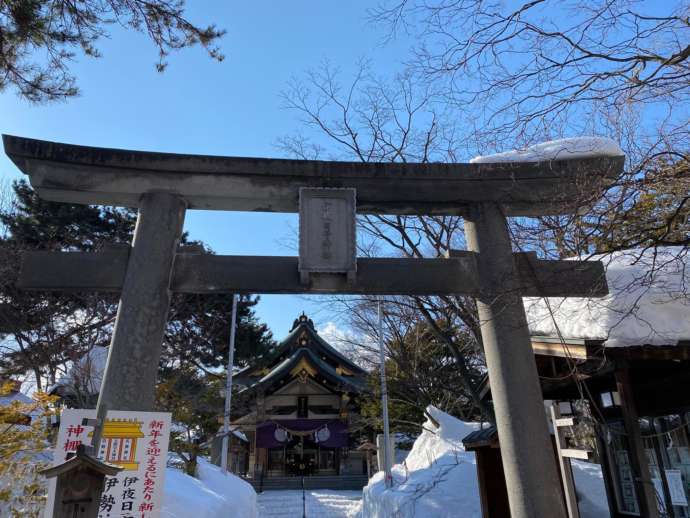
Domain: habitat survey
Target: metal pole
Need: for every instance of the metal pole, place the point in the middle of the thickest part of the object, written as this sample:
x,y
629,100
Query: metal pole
x,y
384,402
228,388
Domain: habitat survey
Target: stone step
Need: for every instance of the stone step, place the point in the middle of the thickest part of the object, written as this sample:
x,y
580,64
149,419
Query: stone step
x,y
330,504
317,503
346,482
280,504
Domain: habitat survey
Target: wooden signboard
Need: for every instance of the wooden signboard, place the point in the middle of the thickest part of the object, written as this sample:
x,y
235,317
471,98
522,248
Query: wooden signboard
x,y
137,442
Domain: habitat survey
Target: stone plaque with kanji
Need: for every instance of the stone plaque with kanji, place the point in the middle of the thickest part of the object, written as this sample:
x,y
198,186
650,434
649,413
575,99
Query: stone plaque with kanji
x,y
327,231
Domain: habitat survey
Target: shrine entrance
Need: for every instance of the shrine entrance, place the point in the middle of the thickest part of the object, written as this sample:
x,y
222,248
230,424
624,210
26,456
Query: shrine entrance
x,y
163,186
302,457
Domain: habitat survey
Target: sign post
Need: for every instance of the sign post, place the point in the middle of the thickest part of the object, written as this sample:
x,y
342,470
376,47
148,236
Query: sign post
x,y
136,442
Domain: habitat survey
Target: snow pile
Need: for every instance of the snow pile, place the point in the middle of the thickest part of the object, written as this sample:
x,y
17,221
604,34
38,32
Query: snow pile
x,y
441,479
438,478
648,302
213,495
577,147
188,497
85,374
15,396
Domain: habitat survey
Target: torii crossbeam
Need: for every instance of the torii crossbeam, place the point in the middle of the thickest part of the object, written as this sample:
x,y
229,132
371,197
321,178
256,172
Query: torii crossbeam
x,y
164,185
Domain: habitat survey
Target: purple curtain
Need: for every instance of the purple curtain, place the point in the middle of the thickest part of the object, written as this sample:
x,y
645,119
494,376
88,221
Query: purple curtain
x,y
265,432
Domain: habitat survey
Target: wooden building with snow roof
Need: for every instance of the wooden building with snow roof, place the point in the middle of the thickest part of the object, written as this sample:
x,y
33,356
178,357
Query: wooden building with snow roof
x,y
301,402
626,357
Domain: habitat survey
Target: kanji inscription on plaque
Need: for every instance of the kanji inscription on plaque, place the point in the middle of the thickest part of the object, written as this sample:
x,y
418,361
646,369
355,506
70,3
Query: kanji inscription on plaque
x,y
327,231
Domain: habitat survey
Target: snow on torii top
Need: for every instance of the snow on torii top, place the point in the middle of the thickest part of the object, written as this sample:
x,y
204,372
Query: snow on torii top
x,y
574,147
648,302
649,292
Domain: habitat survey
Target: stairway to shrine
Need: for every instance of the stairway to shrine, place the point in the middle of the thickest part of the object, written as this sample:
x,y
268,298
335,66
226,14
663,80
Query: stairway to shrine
x,y
332,504
280,504
310,504
347,482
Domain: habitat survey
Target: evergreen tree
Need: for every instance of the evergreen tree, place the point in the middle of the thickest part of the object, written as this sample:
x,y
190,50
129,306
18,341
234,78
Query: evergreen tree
x,y
192,375
39,38
198,331
196,404
45,331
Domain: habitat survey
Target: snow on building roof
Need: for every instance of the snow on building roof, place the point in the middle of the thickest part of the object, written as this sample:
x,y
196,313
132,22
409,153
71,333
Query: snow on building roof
x,y
576,147
7,399
85,374
648,302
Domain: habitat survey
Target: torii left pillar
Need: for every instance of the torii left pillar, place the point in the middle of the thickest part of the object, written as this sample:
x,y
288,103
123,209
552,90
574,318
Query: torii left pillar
x,y
135,349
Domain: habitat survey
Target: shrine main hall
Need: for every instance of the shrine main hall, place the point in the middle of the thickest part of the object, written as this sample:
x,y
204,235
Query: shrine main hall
x,y
301,415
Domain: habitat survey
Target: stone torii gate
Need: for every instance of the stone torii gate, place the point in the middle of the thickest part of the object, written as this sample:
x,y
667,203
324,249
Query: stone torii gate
x,y
163,186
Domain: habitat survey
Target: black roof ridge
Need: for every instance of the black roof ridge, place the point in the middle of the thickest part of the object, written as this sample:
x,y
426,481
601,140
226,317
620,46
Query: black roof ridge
x,y
287,364
271,355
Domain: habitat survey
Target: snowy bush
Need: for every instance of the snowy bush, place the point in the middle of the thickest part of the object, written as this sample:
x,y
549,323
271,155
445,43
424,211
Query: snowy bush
x,y
213,495
438,478
23,452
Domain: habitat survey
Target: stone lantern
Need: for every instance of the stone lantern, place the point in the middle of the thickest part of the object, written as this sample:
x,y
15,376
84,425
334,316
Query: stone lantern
x,y
80,482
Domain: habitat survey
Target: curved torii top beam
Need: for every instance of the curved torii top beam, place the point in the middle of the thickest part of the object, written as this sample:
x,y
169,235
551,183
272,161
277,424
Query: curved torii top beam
x,y
92,175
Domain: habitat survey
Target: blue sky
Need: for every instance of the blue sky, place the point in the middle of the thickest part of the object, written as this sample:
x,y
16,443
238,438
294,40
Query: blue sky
x,y
201,106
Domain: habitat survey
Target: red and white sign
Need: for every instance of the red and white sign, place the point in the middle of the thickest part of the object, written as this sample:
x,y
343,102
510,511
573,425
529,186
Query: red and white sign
x,y
135,441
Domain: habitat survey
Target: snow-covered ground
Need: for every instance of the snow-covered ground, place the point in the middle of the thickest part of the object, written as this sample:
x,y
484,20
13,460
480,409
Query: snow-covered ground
x,y
322,503
439,479
213,495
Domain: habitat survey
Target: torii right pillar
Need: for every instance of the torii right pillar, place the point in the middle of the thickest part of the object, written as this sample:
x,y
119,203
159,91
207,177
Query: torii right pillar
x,y
526,449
